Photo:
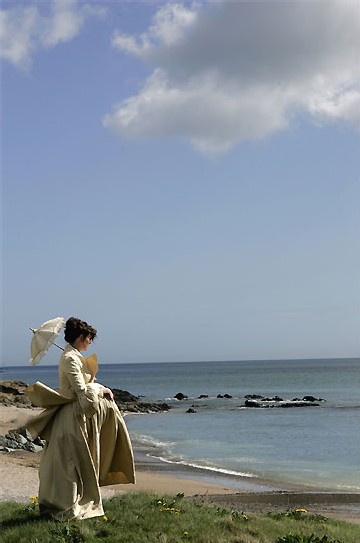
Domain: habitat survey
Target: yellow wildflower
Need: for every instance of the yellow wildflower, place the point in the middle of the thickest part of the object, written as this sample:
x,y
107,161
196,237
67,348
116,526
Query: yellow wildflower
x,y
105,518
301,510
34,502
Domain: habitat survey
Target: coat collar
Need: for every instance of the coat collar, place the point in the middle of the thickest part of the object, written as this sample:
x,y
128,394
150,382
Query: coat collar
x,y
70,349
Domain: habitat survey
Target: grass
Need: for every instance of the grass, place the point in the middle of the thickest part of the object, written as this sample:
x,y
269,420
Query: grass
x,y
148,518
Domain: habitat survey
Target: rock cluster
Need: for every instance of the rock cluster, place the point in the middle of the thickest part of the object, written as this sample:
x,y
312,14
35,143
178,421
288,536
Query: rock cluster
x,y
258,400
20,439
181,396
132,404
13,393
255,400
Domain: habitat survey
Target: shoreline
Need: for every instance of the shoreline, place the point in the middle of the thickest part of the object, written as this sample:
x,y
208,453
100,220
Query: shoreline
x,y
151,458
19,476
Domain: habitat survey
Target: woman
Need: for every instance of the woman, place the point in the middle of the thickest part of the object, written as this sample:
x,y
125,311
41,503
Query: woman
x,y
87,443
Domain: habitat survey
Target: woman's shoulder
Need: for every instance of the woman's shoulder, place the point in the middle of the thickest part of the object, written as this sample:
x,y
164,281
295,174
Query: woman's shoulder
x,y
70,354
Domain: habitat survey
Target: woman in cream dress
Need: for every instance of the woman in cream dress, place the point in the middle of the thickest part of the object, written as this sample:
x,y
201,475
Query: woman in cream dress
x,y
87,443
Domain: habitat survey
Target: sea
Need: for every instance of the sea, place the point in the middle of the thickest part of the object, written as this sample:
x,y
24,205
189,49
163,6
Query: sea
x,y
316,447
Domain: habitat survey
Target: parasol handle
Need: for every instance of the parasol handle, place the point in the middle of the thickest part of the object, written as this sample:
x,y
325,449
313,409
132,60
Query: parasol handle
x,y
56,345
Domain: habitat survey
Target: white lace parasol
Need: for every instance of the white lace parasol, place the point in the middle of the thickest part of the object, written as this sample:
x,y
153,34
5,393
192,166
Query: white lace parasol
x,y
44,337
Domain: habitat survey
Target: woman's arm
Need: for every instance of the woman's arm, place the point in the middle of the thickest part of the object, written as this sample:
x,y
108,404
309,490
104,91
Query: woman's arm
x,y
72,370
88,394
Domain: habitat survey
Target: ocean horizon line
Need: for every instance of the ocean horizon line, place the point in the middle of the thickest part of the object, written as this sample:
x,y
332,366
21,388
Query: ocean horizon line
x,y
245,360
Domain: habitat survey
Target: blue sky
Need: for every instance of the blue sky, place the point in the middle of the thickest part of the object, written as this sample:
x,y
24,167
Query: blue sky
x,y
185,177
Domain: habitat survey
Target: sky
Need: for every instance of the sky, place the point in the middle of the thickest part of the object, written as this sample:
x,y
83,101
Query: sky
x,y
184,176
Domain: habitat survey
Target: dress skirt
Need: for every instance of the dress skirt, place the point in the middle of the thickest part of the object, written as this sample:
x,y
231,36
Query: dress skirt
x,y
81,455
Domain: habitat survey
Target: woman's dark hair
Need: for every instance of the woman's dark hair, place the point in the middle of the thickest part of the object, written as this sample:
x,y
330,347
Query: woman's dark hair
x,y
74,328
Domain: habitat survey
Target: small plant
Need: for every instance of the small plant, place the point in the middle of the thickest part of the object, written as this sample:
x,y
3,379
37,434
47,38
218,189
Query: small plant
x,y
169,506
297,514
67,533
33,504
301,538
235,514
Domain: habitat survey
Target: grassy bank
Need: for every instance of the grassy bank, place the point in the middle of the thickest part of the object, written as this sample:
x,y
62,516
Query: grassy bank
x,y
148,518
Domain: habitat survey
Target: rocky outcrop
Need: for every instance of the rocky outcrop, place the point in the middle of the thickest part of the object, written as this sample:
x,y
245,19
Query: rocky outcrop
x,y
13,393
20,439
255,400
180,396
132,404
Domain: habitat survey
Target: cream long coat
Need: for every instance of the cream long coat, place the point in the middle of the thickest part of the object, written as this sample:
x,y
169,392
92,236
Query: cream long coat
x,y
87,443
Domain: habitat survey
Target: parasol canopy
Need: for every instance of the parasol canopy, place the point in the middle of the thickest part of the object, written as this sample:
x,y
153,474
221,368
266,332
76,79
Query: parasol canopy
x,y
44,337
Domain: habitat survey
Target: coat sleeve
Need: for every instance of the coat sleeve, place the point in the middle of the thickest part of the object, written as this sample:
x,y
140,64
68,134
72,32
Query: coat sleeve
x,y
87,394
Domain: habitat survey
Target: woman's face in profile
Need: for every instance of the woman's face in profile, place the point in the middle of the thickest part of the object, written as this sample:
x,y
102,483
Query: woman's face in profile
x,y
82,343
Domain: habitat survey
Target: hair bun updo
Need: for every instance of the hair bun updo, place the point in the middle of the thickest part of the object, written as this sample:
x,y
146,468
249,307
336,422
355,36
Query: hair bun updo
x,y
74,328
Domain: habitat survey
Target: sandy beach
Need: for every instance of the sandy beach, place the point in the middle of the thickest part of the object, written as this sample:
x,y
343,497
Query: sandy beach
x,y
19,481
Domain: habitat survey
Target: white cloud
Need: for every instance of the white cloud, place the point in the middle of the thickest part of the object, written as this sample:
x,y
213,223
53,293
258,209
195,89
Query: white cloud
x,y
166,30
204,110
239,71
27,29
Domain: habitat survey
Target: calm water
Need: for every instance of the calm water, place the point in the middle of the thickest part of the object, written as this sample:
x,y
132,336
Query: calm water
x,y
312,445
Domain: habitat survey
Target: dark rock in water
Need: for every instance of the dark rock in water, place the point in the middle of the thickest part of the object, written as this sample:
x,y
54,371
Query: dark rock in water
x,y
219,396
308,399
203,396
180,396
143,407
130,403
276,401
123,396
298,404
191,410
254,400
227,396
252,403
